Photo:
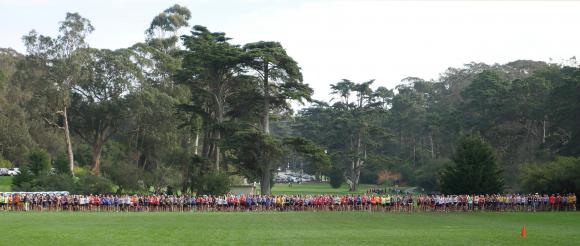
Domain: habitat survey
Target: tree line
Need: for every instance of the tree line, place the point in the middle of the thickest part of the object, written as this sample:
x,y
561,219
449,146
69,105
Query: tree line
x,y
195,112
526,111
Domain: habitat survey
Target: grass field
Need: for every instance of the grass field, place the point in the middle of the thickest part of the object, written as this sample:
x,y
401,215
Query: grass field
x,y
292,228
5,183
316,188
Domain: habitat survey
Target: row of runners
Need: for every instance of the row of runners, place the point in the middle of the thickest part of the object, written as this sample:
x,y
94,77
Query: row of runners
x,y
374,202
401,203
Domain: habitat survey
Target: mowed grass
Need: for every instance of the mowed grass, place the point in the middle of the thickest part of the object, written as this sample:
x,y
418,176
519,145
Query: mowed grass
x,y
289,228
318,188
5,183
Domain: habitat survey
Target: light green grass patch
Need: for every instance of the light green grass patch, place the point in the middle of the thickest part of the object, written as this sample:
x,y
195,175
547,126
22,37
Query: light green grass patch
x,y
5,183
289,228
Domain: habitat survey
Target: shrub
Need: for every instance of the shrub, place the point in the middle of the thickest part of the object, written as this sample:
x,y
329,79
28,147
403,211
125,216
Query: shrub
x,y
24,181
336,178
56,182
38,162
90,184
560,175
213,184
61,164
5,163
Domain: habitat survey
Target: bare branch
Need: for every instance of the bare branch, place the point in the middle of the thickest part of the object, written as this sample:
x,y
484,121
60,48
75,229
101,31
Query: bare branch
x,y
51,123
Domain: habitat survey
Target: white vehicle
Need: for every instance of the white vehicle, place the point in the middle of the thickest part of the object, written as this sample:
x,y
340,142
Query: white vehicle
x,y
13,171
3,171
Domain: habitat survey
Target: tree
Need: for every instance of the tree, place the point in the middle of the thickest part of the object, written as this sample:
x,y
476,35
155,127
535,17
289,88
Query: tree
x,y
61,58
356,120
100,105
336,178
169,21
559,175
564,107
279,81
39,162
211,67
280,77
255,152
475,170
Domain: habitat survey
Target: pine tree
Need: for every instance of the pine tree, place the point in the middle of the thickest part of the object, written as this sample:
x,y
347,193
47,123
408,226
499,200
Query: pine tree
x,y
475,169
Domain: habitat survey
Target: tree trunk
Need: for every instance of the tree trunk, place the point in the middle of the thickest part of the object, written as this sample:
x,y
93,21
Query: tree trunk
x,y
196,143
68,142
218,132
356,165
266,116
206,145
432,145
266,175
217,152
353,183
544,130
414,153
265,182
96,163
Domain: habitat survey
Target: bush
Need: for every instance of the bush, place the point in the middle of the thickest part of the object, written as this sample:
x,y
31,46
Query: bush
x,y
559,176
90,184
427,176
24,181
336,178
213,184
5,163
368,176
388,177
61,164
124,174
56,182
38,162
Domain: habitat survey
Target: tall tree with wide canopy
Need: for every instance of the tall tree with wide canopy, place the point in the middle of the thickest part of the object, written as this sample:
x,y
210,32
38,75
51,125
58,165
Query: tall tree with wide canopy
x,y
280,80
157,128
280,77
61,58
354,126
211,67
100,106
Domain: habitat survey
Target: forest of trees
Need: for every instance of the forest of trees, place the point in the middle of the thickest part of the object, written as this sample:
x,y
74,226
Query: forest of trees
x,y
196,112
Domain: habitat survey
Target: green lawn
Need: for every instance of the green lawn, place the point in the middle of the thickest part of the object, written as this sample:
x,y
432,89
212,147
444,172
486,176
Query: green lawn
x,y
316,188
5,183
289,228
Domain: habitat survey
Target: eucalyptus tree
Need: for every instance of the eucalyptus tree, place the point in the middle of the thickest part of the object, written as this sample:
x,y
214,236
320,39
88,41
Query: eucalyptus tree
x,y
160,53
166,24
60,56
100,106
155,129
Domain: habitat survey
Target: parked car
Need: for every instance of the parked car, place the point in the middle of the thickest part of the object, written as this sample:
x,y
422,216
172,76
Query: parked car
x,y
3,171
14,171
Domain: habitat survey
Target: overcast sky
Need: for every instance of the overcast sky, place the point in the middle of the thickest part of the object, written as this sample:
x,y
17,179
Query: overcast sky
x,y
332,40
